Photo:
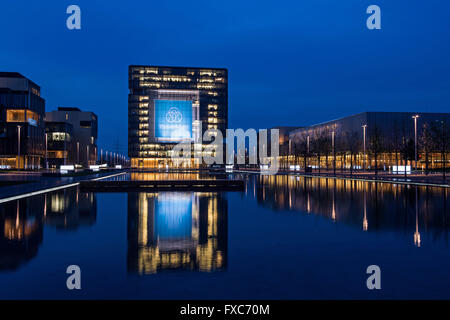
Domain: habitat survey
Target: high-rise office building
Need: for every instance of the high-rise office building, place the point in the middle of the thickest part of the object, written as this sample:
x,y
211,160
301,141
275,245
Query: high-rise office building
x,y
169,105
22,111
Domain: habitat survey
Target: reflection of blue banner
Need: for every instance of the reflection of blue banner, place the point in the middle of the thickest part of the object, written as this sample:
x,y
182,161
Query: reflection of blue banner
x,y
173,216
173,120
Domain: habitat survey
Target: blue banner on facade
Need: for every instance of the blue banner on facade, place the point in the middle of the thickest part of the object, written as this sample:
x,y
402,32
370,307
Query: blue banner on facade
x,y
173,120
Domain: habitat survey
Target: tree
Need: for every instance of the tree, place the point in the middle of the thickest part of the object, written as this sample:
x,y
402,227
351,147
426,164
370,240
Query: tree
x,y
300,147
396,142
440,132
427,143
353,144
319,144
376,146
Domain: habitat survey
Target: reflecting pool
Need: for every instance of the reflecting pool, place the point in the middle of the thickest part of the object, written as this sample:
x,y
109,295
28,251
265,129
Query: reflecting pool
x,y
284,237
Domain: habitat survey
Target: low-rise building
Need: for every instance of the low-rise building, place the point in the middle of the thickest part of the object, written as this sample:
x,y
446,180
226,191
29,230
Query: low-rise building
x,y
84,133
374,140
59,148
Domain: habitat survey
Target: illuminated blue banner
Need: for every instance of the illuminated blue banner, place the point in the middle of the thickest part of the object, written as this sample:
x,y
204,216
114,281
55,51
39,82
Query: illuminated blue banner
x,y
173,120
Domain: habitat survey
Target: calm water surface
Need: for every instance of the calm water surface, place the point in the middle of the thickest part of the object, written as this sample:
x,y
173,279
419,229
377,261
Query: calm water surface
x,y
284,237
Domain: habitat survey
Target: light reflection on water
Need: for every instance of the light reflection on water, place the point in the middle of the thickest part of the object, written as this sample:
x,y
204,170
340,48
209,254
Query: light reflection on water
x,y
176,230
186,233
369,206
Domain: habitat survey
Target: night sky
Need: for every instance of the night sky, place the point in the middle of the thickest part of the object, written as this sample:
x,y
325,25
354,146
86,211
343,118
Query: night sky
x,y
290,62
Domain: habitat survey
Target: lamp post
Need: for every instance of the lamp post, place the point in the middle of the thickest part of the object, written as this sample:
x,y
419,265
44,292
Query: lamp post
x,y
18,147
415,140
364,126
307,149
78,152
65,148
46,151
334,153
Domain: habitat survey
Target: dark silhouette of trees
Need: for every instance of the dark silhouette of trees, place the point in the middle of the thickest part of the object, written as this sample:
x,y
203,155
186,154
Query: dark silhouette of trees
x,y
441,132
319,145
353,144
376,146
300,147
427,143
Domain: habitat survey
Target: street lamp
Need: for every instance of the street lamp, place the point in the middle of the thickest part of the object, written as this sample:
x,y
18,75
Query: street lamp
x,y
415,139
18,146
334,153
364,126
46,153
307,149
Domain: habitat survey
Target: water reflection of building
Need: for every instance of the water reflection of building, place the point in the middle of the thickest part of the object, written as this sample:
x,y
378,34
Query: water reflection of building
x,y
21,232
69,209
177,230
368,205
22,222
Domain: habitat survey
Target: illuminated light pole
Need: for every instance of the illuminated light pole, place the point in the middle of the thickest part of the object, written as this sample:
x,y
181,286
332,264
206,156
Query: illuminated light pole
x,y
415,139
65,149
334,153
78,152
18,146
290,152
46,151
87,155
364,126
307,148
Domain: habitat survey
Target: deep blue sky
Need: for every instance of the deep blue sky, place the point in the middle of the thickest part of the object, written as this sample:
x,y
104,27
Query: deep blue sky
x,y
290,62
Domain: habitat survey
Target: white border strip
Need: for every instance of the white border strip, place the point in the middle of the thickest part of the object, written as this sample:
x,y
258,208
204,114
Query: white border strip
x,y
29,194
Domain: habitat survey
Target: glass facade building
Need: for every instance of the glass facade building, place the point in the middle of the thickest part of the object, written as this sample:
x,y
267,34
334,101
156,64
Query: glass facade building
x,y
22,111
372,140
60,149
80,132
169,105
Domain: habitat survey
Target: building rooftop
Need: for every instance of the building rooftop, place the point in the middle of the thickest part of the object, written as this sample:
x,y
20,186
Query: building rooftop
x,y
68,109
179,67
4,74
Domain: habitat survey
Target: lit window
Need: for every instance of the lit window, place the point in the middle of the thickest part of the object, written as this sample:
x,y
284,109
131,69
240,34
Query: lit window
x,y
13,115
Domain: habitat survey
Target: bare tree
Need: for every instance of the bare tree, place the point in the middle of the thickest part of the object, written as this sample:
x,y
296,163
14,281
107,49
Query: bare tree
x,y
300,146
319,145
440,132
353,144
376,146
427,143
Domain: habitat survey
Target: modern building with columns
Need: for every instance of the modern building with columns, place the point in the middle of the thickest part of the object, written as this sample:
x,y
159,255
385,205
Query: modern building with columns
x,y
372,140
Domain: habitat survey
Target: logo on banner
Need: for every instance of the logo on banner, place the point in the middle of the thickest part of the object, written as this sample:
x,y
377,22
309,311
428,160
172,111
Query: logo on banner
x,y
174,115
